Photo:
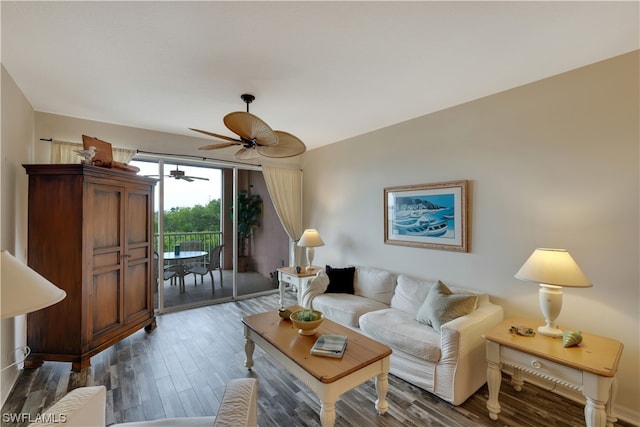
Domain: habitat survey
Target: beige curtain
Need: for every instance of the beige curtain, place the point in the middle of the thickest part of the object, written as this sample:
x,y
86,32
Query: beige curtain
x,y
285,190
64,152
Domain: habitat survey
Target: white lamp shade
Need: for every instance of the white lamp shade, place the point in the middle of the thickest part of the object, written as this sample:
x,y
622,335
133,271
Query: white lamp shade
x,y
553,267
23,289
310,238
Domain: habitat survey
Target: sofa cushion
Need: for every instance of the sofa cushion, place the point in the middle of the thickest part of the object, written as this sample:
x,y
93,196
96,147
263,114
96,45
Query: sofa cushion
x,y
82,407
410,294
345,309
239,405
375,284
340,279
401,331
441,306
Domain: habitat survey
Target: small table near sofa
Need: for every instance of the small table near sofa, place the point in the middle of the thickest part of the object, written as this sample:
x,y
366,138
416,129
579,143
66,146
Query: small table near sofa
x,y
297,279
590,367
327,377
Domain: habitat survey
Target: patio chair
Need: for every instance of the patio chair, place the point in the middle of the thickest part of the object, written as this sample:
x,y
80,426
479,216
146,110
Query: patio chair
x,y
190,245
176,273
202,270
173,272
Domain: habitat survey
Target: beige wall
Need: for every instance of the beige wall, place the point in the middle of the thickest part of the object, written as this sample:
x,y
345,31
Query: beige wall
x,y
16,148
551,164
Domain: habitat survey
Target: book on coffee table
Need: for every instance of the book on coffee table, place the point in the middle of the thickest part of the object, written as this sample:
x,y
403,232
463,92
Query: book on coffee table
x,y
330,345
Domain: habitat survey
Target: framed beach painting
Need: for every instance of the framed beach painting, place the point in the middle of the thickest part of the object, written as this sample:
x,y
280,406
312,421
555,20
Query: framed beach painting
x,y
432,216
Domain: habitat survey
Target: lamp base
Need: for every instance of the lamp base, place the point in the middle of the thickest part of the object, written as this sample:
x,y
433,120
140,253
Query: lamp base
x,y
549,331
310,254
550,297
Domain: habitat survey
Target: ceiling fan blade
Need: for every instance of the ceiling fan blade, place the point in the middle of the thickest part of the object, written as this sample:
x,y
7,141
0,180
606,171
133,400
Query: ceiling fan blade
x,y
250,127
185,178
197,177
246,154
288,146
216,135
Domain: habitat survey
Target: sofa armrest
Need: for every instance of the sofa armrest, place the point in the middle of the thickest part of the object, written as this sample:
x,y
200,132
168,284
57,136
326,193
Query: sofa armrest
x,y
82,407
311,288
460,336
239,405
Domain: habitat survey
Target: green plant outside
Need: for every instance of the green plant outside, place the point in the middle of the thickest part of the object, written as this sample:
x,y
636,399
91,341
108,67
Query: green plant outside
x,y
249,211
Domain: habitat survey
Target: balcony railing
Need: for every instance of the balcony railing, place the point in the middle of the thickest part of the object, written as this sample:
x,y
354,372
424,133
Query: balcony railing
x,y
209,239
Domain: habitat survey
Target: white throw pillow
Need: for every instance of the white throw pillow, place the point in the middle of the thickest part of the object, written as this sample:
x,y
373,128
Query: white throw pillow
x,y
441,306
410,293
374,284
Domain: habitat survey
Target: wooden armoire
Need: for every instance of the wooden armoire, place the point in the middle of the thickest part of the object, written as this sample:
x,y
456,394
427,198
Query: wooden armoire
x,y
91,234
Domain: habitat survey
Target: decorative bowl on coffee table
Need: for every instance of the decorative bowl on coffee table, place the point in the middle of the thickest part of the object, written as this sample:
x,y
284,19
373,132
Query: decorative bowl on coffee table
x,y
307,321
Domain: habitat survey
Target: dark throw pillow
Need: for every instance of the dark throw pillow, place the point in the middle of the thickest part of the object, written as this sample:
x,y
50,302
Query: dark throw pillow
x,y
340,280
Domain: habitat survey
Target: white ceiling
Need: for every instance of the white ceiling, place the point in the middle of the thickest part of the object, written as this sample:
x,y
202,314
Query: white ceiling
x,y
324,71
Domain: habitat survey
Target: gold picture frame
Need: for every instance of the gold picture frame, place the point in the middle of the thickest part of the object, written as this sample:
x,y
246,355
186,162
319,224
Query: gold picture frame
x,y
431,216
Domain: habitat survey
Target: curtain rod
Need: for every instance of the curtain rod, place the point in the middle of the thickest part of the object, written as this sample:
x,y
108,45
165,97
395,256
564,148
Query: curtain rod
x,y
193,156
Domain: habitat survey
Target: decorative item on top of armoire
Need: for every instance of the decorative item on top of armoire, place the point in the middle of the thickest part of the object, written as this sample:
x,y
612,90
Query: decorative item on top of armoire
x,y
432,216
90,232
103,156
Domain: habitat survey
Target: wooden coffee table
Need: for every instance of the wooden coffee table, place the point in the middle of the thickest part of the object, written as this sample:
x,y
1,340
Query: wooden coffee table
x,y
327,377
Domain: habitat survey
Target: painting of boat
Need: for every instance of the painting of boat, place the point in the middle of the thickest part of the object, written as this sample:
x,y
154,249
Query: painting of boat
x,y
423,226
431,216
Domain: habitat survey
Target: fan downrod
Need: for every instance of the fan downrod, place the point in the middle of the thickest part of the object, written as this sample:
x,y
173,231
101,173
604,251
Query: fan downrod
x,y
248,99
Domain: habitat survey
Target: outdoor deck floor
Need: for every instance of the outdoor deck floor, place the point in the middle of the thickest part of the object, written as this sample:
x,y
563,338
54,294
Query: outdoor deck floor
x,y
200,293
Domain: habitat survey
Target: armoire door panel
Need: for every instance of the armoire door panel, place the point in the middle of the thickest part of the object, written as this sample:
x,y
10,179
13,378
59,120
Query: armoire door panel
x,y
108,259
106,298
107,226
137,220
136,291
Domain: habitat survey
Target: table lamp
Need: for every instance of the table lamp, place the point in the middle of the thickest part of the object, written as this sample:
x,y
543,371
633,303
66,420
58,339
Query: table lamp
x,y
553,269
23,290
310,239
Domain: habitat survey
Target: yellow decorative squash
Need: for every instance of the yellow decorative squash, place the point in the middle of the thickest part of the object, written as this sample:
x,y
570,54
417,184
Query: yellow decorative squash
x,y
571,338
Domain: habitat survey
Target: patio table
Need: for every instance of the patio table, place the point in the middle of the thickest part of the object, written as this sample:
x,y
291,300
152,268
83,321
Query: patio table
x,y
181,258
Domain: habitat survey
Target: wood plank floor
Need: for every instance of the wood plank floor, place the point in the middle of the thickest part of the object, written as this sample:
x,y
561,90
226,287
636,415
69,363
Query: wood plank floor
x,y
180,369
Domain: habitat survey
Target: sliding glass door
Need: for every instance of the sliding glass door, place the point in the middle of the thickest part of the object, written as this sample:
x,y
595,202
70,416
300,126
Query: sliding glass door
x,y
207,253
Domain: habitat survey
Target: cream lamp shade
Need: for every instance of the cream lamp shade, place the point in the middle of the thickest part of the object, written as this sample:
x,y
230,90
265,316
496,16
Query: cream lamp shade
x,y
552,269
23,289
310,239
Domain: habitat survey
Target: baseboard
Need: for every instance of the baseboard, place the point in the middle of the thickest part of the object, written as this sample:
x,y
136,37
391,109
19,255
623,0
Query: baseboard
x,y
627,415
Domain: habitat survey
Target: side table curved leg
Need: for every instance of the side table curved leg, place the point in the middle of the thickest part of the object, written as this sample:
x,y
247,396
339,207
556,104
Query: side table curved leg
x,y
517,380
249,346
494,378
595,414
611,418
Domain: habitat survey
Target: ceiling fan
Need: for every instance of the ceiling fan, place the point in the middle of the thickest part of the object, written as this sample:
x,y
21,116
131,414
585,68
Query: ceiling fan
x,y
179,174
255,136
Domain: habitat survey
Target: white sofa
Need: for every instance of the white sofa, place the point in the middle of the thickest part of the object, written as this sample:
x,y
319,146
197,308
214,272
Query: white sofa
x,y
85,407
449,363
